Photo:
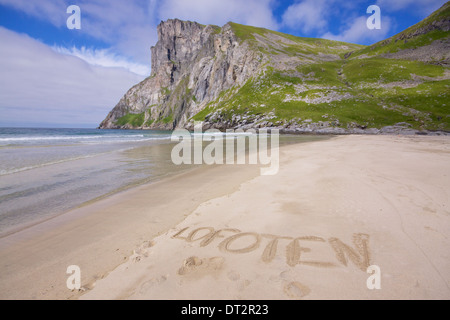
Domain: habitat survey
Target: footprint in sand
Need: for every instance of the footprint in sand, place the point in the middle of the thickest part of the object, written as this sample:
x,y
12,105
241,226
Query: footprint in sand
x,y
195,265
236,277
147,285
243,284
143,251
296,290
233,275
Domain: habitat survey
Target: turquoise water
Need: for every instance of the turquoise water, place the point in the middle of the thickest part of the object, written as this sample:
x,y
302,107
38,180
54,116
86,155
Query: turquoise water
x,y
45,172
28,148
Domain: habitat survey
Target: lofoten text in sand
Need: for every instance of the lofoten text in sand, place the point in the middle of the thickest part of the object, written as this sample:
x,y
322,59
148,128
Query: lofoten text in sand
x,y
235,241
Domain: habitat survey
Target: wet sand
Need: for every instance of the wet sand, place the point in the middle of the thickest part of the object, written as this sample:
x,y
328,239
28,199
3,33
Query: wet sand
x,y
100,236
335,208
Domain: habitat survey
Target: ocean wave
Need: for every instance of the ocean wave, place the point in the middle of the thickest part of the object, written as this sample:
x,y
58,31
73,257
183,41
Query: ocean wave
x,y
227,134
127,140
80,137
40,165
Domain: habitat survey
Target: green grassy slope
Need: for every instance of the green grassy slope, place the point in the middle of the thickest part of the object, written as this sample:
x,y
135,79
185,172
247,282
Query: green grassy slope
x,y
329,83
360,96
282,43
367,92
420,34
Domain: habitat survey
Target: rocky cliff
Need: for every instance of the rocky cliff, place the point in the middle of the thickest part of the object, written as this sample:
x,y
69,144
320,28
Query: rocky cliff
x,y
191,65
239,76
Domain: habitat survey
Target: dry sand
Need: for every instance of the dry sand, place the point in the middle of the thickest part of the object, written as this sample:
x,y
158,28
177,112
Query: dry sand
x,y
309,232
100,236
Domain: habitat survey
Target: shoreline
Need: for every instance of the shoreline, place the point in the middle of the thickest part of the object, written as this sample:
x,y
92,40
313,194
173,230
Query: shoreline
x,y
142,182
146,255
117,192
18,246
335,208
317,130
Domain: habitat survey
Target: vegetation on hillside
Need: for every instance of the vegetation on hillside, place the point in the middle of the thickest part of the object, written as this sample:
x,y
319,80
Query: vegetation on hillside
x,y
332,83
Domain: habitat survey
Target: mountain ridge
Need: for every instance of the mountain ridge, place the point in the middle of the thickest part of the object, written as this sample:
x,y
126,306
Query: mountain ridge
x,y
246,77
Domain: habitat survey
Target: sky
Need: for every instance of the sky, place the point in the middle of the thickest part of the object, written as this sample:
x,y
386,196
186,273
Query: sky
x,y
53,76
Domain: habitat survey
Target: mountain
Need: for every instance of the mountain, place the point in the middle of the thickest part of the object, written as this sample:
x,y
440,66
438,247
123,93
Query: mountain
x,y
245,77
426,41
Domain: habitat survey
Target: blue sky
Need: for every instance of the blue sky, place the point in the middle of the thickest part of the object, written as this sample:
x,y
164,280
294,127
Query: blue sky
x,y
55,77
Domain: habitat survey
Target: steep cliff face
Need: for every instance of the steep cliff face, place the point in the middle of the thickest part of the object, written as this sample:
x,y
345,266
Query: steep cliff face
x,y
191,65
246,77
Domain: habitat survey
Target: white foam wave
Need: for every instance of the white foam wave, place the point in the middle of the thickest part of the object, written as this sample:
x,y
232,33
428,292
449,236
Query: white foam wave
x,y
127,140
68,137
40,165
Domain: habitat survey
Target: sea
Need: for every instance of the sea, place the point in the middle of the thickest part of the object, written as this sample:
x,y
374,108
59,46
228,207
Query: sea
x,y
46,172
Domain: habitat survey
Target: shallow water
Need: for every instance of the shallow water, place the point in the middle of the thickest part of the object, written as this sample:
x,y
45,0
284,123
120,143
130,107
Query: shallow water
x,y
44,172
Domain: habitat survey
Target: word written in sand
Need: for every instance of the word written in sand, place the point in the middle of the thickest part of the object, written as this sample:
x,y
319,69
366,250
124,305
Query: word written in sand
x,y
235,241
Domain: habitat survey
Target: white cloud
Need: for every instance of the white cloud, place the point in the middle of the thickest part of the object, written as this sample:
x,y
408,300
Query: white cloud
x,y
51,11
41,85
307,15
251,12
421,7
104,58
127,26
357,31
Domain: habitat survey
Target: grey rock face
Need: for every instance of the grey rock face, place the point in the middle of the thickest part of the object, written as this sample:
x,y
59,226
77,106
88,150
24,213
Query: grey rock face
x,y
196,67
191,65
437,52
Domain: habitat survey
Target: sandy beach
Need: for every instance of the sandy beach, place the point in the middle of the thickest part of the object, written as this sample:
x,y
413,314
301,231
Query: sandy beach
x,y
335,208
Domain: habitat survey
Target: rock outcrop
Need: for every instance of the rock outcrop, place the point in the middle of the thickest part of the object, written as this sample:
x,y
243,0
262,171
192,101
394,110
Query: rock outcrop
x,y
191,65
244,77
